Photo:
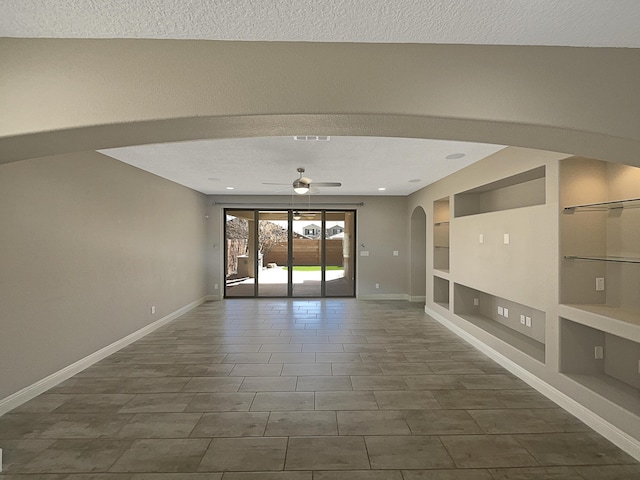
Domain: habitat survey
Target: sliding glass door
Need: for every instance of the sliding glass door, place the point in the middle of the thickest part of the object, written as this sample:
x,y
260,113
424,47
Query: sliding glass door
x,y
340,254
307,258
273,253
287,253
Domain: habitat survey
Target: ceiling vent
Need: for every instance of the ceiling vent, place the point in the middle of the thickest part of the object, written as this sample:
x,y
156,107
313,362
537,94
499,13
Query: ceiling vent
x,y
311,138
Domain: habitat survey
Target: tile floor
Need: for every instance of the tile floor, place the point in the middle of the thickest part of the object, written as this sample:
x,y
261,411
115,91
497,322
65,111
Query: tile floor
x,y
301,390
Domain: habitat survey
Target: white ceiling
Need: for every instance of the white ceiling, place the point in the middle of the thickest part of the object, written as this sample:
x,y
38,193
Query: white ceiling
x,y
591,23
361,164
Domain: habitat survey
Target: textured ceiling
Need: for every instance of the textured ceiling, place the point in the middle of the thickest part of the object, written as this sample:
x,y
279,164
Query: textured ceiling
x,y
593,23
361,164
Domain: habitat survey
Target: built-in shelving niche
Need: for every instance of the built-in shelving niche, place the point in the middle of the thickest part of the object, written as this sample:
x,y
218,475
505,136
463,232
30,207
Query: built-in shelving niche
x,y
599,233
441,292
615,376
481,309
522,190
441,234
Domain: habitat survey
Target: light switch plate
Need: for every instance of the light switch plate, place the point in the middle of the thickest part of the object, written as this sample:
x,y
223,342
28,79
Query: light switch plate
x,y
395,253
598,352
506,239
481,238
522,320
476,302
364,253
500,311
506,313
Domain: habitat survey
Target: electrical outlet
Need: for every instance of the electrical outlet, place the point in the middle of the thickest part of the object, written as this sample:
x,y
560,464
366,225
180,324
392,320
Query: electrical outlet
x,y
396,253
481,238
500,311
153,309
522,320
598,352
476,302
527,321
506,313
377,285
215,286
506,239
599,284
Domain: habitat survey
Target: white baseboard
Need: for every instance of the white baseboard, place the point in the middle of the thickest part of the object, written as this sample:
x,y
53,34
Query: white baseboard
x,y
384,296
41,386
609,431
417,298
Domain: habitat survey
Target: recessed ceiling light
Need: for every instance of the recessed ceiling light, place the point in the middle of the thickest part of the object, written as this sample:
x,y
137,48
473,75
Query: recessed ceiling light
x,y
230,188
382,189
454,156
415,180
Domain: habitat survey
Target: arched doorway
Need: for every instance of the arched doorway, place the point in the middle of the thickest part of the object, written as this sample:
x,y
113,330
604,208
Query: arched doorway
x,y
418,255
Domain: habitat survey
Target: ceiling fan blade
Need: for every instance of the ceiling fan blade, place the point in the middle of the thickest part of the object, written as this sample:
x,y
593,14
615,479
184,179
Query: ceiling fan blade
x,y
326,184
272,183
314,191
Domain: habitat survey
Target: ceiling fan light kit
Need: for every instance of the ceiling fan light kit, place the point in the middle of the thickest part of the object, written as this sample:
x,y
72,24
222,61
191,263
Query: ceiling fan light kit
x,y
303,185
300,187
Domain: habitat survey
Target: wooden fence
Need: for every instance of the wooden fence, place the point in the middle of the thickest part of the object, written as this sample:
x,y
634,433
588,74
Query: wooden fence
x,y
306,252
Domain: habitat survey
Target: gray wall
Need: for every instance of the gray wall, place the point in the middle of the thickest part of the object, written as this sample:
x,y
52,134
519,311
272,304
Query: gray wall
x,y
87,245
381,225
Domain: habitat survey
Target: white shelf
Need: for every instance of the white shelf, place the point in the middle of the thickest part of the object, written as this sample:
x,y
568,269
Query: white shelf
x,y
613,390
614,320
526,345
441,272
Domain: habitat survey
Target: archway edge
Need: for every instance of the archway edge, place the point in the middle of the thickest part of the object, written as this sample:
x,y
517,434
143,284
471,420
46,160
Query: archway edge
x,y
419,210
64,95
41,144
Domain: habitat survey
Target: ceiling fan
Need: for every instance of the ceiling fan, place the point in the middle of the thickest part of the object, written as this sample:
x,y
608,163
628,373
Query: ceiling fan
x,y
304,185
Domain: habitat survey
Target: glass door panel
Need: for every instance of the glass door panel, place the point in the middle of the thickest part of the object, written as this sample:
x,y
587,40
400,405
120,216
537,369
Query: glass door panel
x,y
307,254
273,254
340,254
286,253
240,253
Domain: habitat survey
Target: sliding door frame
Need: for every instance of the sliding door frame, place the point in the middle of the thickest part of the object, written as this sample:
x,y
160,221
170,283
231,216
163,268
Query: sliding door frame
x,y
290,252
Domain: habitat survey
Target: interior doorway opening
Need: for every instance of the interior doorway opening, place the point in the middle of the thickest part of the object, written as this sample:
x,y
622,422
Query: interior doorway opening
x,y
288,253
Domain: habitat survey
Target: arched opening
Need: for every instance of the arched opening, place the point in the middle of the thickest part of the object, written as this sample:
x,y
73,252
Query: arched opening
x,y
418,255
